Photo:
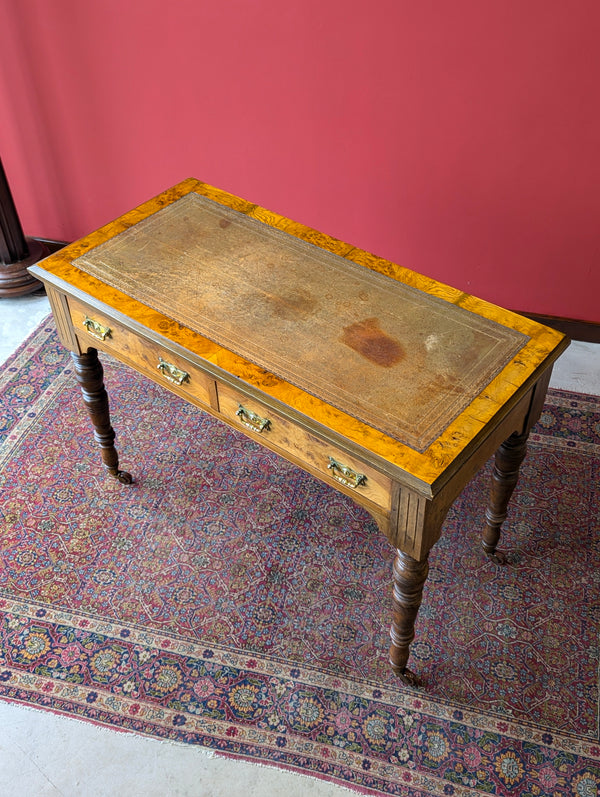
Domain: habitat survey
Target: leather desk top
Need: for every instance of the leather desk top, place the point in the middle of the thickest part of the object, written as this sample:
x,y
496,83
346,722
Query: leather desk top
x,y
403,361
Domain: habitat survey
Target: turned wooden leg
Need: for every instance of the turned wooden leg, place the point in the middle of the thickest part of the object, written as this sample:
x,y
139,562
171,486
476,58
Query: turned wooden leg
x,y
409,578
89,374
504,479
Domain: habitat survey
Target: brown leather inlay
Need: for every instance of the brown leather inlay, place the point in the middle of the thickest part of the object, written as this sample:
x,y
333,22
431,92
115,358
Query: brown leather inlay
x,y
398,359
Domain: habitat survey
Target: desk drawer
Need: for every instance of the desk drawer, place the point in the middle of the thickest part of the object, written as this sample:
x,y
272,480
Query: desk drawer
x,y
337,467
144,355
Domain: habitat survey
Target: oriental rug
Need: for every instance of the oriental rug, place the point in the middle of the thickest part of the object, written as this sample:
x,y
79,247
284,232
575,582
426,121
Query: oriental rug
x,y
228,599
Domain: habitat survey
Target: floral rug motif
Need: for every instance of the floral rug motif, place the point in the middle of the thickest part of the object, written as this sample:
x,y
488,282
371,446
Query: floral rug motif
x,y
230,600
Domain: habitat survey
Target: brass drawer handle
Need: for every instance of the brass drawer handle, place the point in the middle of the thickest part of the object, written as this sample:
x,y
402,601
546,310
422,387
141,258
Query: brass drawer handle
x,y
95,329
172,373
345,475
252,420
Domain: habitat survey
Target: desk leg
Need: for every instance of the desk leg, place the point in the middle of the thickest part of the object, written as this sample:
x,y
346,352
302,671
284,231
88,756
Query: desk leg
x,y
505,475
409,579
90,376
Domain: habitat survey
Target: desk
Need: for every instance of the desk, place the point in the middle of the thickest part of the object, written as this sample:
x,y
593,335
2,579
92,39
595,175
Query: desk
x,y
393,388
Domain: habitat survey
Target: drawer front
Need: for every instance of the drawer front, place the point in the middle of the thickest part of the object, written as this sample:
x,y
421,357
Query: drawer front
x,y
164,367
337,467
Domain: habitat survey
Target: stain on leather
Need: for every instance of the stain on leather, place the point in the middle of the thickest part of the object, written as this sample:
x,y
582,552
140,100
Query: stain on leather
x,y
294,307
371,342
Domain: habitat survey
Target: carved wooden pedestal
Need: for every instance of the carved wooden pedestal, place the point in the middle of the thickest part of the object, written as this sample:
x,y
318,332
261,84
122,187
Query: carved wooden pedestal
x,y
17,253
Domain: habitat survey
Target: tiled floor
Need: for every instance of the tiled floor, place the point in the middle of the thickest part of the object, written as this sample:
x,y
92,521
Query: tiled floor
x,y
44,755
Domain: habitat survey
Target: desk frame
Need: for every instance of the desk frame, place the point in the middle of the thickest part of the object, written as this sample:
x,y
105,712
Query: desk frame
x,y
421,487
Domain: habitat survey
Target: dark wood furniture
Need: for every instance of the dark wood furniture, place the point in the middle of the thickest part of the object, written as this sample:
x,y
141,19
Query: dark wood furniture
x,y
390,387
17,253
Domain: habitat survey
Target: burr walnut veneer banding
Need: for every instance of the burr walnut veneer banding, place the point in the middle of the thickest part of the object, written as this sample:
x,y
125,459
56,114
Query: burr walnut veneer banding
x,y
391,387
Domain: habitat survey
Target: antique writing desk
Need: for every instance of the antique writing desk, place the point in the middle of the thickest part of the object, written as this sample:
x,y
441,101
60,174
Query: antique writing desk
x,y
391,387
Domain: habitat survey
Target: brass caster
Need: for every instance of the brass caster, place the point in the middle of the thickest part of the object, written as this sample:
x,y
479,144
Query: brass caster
x,y
122,476
497,557
409,678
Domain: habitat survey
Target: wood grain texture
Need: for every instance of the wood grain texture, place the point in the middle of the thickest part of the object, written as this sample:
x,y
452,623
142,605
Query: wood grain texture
x,y
314,452
143,355
62,318
425,469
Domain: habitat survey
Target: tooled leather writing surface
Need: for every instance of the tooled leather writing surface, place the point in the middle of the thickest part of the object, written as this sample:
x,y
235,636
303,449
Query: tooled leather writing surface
x,y
398,359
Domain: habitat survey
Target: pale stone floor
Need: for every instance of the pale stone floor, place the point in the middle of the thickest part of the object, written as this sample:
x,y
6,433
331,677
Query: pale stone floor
x,y
45,755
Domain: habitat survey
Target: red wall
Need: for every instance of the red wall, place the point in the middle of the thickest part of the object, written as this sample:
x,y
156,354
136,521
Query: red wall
x,y
460,138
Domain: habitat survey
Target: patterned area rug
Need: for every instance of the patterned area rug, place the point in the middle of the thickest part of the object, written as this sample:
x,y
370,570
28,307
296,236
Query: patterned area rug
x,y
227,599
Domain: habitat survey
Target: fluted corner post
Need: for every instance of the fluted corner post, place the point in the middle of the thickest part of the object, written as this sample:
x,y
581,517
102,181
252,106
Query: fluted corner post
x,y
90,376
16,251
505,476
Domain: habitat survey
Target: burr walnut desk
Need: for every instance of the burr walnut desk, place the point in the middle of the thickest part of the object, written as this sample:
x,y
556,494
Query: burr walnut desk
x,y
390,387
